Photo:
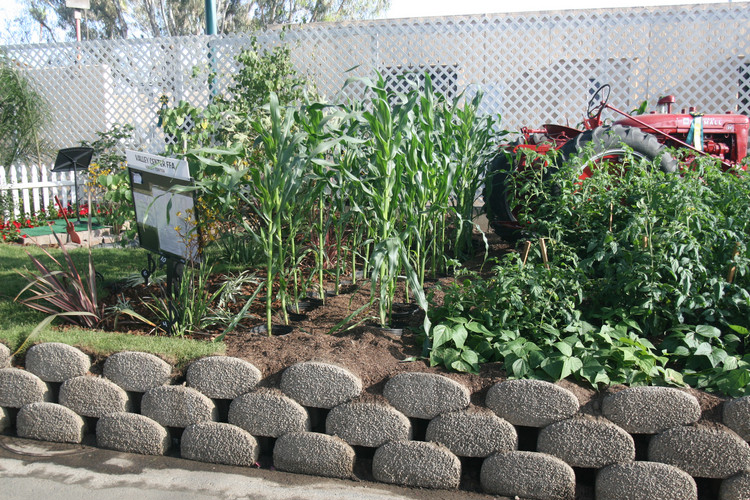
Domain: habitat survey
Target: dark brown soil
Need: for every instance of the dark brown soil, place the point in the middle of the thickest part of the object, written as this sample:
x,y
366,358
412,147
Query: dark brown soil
x,y
374,354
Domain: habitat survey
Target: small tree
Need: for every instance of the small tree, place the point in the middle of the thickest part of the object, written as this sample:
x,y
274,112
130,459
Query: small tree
x,y
22,115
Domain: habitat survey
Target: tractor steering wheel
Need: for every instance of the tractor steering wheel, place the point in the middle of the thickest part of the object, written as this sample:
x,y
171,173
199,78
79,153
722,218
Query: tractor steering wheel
x,y
598,101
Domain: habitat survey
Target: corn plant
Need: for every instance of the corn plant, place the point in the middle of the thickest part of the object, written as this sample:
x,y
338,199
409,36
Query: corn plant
x,y
320,137
276,182
473,144
429,176
381,181
274,187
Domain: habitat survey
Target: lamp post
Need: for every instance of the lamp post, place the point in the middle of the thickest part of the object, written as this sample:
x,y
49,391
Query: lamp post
x,y
210,17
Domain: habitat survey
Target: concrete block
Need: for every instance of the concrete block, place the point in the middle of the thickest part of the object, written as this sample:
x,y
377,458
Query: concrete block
x,y
91,396
531,403
4,356
368,424
222,377
137,371
320,385
425,395
50,422
709,452
56,362
132,433
472,433
417,464
587,442
5,420
649,410
529,475
177,406
644,481
219,443
736,487
19,388
268,413
314,454
736,416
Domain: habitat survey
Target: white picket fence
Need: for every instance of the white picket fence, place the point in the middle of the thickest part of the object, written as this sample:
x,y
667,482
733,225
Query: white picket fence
x,y
32,190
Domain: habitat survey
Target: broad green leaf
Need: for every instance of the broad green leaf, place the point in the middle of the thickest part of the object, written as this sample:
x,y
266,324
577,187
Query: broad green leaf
x,y
704,349
570,366
564,348
707,331
459,336
739,329
440,335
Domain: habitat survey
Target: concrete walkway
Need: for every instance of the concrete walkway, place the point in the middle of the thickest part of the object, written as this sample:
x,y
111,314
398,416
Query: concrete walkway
x,y
30,470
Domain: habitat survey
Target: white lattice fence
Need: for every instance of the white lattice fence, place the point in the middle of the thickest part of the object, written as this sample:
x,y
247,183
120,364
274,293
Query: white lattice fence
x,y
534,67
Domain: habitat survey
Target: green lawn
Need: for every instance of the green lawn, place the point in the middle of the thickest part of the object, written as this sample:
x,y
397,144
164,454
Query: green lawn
x,y
18,321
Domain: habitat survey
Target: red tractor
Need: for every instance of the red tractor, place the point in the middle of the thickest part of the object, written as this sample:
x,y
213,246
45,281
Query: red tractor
x,y
724,137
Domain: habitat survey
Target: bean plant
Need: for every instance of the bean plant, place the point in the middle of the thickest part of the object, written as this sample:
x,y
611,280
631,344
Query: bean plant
x,y
647,281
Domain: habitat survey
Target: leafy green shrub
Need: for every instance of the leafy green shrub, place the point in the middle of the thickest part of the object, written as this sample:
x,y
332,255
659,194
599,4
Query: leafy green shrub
x,y
23,113
648,282
109,182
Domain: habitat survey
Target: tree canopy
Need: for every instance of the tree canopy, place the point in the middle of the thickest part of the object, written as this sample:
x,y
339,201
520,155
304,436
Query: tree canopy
x,y
153,18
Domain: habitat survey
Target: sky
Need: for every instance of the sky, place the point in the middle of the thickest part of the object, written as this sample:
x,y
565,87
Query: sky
x,y
426,8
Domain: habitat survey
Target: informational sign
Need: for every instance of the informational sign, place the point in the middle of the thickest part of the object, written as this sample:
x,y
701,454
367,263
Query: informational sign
x,y
166,218
78,4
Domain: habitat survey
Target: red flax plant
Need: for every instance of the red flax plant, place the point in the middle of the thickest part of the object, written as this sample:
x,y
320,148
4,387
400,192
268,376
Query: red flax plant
x,y
63,292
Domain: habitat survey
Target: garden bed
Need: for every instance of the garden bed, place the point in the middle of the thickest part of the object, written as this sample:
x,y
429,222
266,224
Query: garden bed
x,y
374,354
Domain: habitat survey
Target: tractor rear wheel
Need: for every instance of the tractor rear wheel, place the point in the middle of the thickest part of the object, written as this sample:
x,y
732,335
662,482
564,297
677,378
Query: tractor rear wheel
x,y
499,213
614,143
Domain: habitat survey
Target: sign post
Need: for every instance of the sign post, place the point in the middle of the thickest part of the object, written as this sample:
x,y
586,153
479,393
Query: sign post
x,y
78,5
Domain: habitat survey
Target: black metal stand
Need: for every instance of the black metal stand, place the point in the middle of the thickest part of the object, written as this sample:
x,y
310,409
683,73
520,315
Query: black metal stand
x,y
175,270
151,267
73,160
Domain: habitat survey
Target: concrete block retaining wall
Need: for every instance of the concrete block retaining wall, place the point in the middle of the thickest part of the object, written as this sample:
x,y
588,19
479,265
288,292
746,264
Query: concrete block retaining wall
x,y
647,443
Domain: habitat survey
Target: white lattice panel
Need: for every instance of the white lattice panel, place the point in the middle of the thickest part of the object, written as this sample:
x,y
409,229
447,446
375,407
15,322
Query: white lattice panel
x,y
534,68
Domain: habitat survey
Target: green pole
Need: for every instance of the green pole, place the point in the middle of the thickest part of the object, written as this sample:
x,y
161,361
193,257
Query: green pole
x,y
210,17
210,30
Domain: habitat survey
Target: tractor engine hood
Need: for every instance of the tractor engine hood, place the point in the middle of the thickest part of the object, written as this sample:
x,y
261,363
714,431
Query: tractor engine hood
x,y
680,123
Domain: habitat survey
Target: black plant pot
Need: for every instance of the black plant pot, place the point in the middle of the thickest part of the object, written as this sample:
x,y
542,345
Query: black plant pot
x,y
392,330
293,316
402,314
304,305
275,329
298,311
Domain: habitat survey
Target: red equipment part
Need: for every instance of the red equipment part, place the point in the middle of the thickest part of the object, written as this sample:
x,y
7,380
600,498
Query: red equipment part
x,y
725,137
68,225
